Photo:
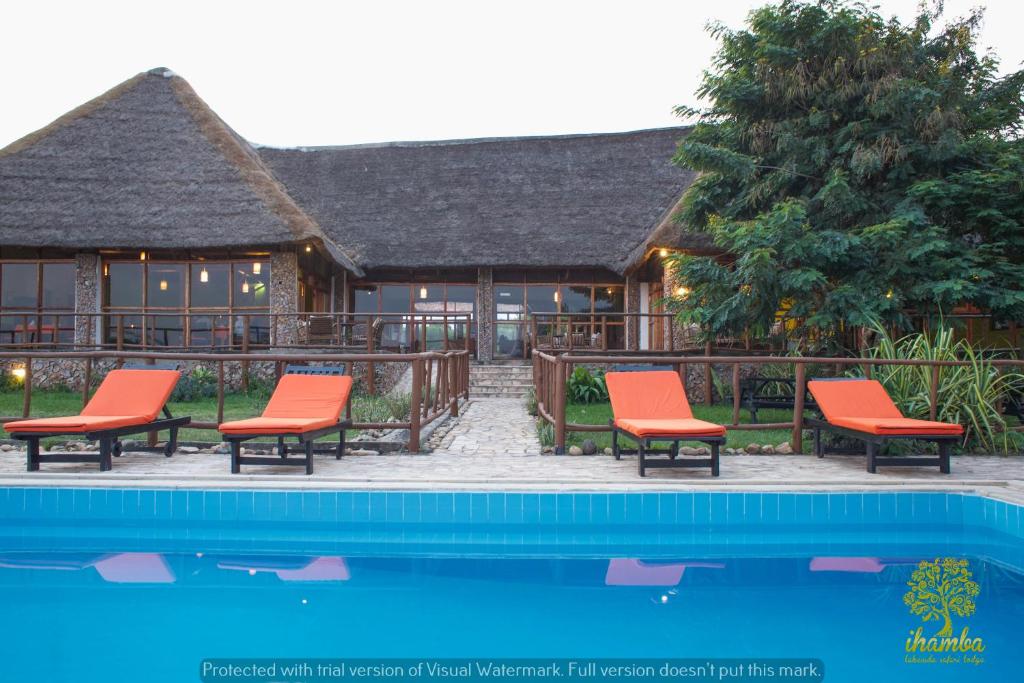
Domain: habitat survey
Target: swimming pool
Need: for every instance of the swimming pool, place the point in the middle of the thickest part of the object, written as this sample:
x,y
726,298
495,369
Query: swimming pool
x,y
128,584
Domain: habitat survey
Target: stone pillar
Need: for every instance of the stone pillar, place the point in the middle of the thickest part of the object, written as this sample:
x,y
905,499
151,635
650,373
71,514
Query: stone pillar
x,y
87,298
485,315
679,337
284,295
632,306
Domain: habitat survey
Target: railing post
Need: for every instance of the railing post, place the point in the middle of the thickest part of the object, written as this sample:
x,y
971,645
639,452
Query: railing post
x,y
119,340
26,403
559,406
371,369
246,322
220,391
933,395
735,393
798,408
453,385
604,333
416,406
86,381
708,369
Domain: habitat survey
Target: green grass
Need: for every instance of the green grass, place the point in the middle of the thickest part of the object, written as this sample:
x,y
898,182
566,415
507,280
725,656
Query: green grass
x,y
600,413
236,407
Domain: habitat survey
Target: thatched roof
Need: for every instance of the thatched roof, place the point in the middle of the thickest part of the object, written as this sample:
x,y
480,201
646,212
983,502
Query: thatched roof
x,y
564,201
147,165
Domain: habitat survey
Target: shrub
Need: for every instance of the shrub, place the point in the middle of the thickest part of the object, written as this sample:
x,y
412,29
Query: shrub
x,y
546,433
971,395
399,405
531,402
370,409
198,384
584,387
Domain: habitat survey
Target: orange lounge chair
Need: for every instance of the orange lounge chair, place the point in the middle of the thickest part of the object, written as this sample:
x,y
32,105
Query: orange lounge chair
x,y
128,401
861,409
306,404
652,406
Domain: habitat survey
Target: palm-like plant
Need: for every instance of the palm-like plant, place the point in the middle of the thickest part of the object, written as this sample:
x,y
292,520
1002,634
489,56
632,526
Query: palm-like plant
x,y
970,395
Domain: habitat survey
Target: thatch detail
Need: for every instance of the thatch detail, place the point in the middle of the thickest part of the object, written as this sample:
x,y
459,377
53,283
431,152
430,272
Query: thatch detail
x,y
147,165
564,201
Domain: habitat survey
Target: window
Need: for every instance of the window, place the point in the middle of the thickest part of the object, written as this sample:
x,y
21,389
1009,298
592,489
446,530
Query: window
x,y
37,302
187,303
422,299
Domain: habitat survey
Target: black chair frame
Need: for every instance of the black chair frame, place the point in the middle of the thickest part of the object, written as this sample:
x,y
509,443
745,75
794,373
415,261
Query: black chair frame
x,y
644,449
875,442
305,439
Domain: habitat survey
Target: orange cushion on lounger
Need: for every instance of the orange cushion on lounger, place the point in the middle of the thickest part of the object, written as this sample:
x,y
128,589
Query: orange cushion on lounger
x,y
651,395
307,396
277,425
133,392
664,427
853,398
75,423
300,403
898,426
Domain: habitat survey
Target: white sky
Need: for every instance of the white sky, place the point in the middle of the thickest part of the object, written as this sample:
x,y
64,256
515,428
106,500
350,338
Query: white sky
x,y
295,72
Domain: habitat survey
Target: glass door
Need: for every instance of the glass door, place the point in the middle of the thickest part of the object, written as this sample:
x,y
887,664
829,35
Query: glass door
x,y
509,321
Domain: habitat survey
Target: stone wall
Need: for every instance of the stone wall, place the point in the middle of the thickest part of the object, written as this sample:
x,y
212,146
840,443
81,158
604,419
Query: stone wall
x,y
284,295
632,306
485,314
87,295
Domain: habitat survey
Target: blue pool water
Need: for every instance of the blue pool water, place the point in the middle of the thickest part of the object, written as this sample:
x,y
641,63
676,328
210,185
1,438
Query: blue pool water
x,y
124,585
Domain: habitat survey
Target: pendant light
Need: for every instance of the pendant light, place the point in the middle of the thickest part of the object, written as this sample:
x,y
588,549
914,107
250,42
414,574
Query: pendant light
x,y
163,285
245,286
256,267
423,292
204,276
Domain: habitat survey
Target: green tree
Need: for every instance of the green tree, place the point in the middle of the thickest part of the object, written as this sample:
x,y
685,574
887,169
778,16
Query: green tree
x,y
941,589
852,168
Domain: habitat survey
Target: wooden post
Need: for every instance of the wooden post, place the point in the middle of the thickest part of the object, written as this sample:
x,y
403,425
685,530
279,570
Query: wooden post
x,y
119,340
604,333
533,336
26,403
86,381
933,395
427,376
220,391
708,387
416,406
348,404
798,408
246,322
453,385
559,397
371,370
735,393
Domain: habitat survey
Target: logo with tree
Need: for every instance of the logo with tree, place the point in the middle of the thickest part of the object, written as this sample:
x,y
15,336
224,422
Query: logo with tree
x,y
940,589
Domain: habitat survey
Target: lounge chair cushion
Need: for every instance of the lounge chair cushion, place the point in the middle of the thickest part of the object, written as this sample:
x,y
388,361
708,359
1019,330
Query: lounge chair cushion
x,y
864,406
125,398
669,428
309,396
133,392
277,425
898,426
300,403
653,395
853,398
75,424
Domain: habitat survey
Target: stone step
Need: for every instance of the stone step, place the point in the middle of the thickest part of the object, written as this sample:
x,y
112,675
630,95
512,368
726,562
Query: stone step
x,y
490,385
500,371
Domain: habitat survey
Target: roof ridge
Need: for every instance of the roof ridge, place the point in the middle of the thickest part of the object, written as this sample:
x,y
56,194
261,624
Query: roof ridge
x,y
467,141
78,112
254,172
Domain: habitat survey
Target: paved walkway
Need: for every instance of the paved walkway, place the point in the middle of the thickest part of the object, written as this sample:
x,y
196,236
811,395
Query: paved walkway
x,y
492,426
993,475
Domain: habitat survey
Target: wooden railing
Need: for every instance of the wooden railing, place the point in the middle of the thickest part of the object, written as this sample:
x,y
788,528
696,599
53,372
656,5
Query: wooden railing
x,y
439,379
237,331
551,373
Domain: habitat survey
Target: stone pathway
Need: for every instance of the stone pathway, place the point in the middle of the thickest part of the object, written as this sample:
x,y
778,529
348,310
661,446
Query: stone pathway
x,y
492,426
